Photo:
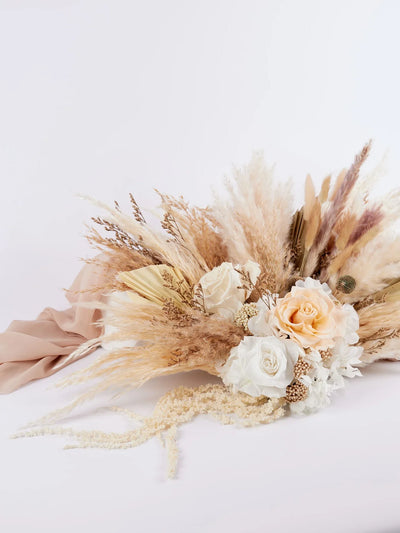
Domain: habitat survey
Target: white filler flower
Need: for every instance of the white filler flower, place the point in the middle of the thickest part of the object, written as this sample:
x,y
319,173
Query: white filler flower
x,y
261,366
264,322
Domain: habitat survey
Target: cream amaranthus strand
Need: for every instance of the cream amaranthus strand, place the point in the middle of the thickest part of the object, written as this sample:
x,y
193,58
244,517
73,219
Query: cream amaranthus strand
x,y
284,307
175,408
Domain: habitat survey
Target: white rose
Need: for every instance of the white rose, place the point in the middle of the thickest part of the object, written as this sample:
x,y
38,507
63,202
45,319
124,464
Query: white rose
x,y
261,366
221,288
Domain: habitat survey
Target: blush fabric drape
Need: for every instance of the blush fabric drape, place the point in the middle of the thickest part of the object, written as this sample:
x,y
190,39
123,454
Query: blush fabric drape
x,y
35,349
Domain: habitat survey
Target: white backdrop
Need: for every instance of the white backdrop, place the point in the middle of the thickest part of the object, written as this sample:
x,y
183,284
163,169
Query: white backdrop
x,y
110,97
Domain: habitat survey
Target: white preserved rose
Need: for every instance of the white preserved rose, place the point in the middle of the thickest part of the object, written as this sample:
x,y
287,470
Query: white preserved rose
x,y
221,288
261,366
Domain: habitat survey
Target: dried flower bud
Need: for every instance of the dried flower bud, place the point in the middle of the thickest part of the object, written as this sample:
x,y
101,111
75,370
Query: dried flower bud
x,y
296,392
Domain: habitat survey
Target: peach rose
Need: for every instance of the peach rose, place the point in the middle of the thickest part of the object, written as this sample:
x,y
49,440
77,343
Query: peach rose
x,y
309,315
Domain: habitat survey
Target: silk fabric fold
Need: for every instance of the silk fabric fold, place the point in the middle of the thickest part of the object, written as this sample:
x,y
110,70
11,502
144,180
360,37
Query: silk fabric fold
x,y
35,349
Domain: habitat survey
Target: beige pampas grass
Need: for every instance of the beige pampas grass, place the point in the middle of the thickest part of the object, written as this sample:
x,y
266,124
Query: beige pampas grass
x,y
170,339
255,221
387,348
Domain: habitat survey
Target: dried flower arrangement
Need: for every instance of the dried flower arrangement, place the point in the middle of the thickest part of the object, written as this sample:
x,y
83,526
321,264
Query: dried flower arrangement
x,y
281,306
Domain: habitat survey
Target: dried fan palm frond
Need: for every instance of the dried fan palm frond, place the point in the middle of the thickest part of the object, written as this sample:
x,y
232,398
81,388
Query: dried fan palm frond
x,y
158,283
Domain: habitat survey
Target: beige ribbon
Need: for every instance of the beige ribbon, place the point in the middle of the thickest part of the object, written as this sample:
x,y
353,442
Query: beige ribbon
x,y
35,349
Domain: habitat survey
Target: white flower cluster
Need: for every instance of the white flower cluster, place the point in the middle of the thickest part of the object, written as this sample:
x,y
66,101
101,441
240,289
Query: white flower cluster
x,y
308,322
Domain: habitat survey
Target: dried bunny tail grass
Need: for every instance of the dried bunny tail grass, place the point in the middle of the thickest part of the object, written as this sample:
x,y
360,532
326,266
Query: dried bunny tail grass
x,y
174,341
255,222
174,409
196,228
157,245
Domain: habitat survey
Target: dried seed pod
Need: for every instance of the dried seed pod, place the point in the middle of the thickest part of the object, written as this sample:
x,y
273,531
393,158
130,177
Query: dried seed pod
x,y
346,284
296,392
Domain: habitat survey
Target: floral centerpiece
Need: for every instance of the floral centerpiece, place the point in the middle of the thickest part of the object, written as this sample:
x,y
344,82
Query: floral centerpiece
x,y
281,305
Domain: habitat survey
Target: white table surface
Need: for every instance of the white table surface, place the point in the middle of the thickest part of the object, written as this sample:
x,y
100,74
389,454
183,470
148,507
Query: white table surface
x,y
335,471
106,97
